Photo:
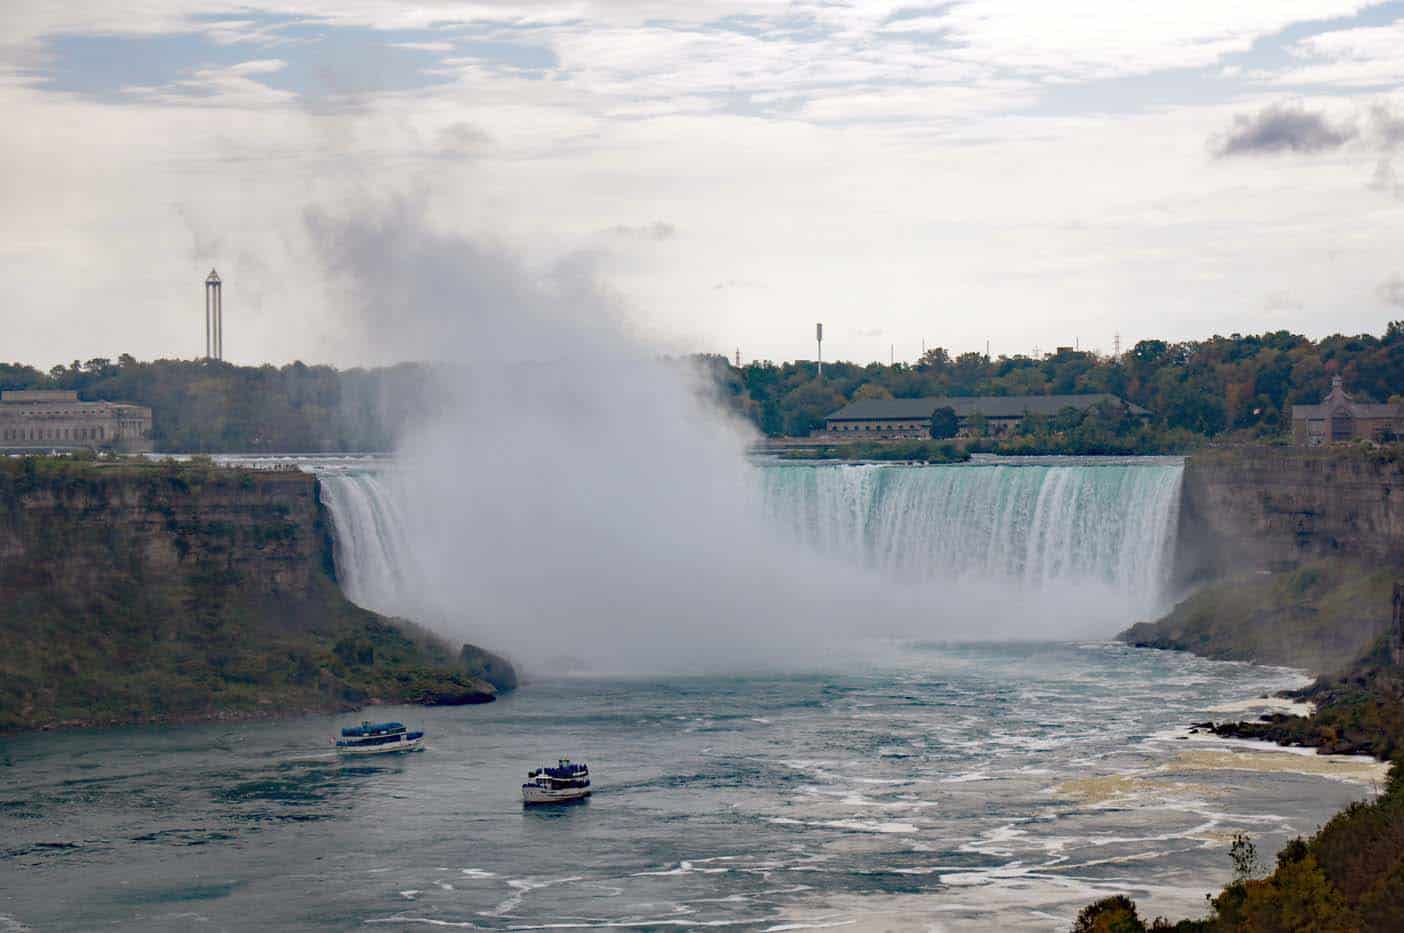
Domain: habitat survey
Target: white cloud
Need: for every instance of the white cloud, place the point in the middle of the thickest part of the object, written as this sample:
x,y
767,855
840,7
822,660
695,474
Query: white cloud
x,y
1365,57
424,46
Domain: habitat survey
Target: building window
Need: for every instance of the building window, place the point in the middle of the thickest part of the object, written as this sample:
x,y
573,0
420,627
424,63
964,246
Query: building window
x,y
1342,427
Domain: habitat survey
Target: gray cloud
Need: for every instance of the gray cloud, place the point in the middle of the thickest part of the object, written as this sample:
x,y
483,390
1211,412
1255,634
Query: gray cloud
x,y
462,141
1391,291
1388,136
1389,126
1281,128
657,231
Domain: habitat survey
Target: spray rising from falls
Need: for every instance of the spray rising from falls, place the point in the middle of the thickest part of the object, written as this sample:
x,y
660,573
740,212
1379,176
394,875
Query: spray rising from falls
x,y
594,504
1084,547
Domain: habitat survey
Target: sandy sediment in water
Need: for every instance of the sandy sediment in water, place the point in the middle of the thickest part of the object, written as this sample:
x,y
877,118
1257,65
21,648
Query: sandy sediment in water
x,y
1106,787
1356,768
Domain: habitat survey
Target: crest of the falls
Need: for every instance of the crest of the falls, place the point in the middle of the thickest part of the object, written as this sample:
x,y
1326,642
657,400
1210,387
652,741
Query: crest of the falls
x,y
1100,529
1034,526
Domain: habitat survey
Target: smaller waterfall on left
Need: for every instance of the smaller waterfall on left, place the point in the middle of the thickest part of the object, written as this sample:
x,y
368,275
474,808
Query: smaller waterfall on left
x,y
371,553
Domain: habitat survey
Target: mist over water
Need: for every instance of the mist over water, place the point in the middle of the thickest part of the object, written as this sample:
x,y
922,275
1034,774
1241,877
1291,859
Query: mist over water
x,y
592,507
952,552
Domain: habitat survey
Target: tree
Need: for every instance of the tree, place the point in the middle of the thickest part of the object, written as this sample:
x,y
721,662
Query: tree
x,y
1245,857
871,390
944,423
1115,914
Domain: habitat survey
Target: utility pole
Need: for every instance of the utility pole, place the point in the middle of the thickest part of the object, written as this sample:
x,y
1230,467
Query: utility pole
x,y
891,354
819,340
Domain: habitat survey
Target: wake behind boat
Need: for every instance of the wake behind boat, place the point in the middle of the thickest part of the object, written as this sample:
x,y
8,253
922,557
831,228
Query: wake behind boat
x,y
377,738
567,781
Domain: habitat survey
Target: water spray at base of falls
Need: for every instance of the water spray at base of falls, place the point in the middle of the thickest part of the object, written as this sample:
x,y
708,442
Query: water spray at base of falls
x,y
969,552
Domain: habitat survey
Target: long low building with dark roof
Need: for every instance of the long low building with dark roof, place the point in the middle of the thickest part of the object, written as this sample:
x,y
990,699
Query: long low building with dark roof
x,y
51,419
911,417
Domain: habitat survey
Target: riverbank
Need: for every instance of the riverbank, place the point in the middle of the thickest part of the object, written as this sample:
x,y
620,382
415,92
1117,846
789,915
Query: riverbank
x,y
141,593
1350,874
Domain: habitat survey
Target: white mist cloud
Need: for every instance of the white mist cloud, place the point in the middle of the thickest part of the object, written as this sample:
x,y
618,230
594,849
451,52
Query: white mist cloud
x,y
593,507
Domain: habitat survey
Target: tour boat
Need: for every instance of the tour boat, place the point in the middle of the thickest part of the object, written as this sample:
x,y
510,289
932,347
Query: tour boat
x,y
566,781
376,738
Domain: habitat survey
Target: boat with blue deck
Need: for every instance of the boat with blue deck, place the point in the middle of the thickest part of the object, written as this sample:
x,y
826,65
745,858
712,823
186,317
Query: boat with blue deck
x,y
568,780
376,738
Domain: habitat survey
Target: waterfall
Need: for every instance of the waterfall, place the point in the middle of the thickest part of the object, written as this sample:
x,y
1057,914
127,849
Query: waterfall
x,y
1098,532
373,558
1036,525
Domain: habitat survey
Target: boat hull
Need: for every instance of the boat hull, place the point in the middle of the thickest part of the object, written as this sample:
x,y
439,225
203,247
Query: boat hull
x,y
538,795
406,744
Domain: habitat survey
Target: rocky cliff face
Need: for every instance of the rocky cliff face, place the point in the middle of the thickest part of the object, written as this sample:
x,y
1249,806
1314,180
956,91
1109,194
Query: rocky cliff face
x,y
1268,508
84,527
136,592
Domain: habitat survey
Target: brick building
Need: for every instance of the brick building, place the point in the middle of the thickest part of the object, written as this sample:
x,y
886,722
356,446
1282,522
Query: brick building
x,y
1340,418
57,420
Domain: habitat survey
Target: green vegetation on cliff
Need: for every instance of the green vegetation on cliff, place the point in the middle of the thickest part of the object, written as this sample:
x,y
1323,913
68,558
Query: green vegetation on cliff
x,y
1359,711
137,592
1320,616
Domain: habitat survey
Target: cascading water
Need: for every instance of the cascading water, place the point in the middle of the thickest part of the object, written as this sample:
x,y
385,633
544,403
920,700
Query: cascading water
x,y
1100,532
374,560
1035,525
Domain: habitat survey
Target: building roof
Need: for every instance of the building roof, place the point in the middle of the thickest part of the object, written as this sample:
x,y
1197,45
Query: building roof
x,y
51,402
38,395
991,406
1338,400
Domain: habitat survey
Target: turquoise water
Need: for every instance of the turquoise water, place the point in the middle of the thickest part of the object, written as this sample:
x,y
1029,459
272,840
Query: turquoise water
x,y
923,786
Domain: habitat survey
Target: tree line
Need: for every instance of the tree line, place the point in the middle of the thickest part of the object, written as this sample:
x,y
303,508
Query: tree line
x,y
1239,387
208,406
1236,388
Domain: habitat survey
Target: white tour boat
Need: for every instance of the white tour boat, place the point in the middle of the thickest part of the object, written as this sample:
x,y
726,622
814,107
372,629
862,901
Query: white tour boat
x,y
377,738
568,780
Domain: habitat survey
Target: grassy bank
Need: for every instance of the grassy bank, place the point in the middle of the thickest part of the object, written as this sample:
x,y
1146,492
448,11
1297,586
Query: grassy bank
x,y
1321,616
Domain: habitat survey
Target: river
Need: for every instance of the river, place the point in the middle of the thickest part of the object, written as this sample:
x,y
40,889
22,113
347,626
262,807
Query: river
x,y
907,783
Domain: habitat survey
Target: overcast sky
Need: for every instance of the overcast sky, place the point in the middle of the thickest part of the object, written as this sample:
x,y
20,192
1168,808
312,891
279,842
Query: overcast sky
x,y
1027,173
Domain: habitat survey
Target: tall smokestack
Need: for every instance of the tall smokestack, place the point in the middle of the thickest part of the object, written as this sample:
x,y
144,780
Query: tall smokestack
x,y
819,339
